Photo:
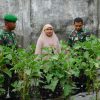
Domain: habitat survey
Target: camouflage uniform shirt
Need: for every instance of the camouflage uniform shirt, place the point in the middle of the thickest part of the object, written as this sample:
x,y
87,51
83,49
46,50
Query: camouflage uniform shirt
x,y
77,36
7,38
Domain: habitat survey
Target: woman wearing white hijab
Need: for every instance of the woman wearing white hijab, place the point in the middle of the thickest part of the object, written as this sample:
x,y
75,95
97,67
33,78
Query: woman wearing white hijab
x,y
47,39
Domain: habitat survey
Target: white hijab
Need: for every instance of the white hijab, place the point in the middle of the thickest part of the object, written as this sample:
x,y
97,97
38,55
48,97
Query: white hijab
x,y
45,41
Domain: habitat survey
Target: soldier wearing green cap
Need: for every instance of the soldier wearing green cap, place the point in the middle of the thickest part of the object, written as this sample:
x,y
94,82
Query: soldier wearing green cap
x,y
7,36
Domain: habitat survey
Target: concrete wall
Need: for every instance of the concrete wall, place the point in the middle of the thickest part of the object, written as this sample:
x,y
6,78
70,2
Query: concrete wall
x,y
33,14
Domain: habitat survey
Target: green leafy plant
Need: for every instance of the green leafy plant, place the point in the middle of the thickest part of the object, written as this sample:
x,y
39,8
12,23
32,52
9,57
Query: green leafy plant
x,y
5,58
61,67
87,56
28,70
56,68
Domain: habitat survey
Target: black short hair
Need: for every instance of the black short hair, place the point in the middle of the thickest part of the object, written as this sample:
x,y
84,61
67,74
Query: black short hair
x,y
78,19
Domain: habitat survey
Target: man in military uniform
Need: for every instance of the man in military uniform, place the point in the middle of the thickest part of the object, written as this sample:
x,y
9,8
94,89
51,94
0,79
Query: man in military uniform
x,y
8,38
79,34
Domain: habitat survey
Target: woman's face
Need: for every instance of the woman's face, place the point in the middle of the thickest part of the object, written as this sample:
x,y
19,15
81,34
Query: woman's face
x,y
49,31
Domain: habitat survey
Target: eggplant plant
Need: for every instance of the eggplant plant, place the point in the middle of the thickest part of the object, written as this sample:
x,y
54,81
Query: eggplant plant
x,y
5,59
87,55
59,68
51,70
28,70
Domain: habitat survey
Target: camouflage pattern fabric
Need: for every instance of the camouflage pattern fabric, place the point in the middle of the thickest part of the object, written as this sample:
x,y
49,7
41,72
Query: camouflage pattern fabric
x,y
7,38
77,36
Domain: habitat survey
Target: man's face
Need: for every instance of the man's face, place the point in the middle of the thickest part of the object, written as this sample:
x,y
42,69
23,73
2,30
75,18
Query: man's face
x,y
78,26
48,31
11,25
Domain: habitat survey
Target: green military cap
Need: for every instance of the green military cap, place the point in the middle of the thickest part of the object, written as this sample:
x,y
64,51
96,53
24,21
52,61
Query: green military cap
x,y
10,18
